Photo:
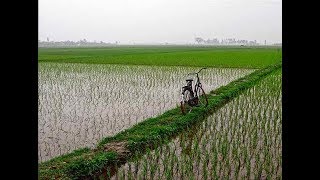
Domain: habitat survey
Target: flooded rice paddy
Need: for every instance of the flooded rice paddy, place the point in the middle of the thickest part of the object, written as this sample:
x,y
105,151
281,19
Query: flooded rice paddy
x,y
242,140
79,104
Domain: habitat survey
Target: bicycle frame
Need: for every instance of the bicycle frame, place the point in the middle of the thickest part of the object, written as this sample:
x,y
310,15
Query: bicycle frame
x,y
193,91
198,83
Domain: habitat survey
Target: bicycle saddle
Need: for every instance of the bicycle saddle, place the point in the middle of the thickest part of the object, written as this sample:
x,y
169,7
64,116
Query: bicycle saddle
x,y
189,79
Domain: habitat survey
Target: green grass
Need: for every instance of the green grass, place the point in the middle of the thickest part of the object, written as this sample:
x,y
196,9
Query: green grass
x,y
209,56
148,134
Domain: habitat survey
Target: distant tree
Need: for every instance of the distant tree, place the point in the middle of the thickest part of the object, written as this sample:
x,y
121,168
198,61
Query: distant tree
x,y
199,40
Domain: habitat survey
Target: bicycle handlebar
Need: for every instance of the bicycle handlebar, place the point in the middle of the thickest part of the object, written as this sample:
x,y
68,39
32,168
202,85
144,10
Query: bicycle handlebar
x,y
198,71
201,69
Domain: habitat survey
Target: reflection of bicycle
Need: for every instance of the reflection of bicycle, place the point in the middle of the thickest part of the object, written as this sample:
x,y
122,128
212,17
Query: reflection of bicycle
x,y
190,98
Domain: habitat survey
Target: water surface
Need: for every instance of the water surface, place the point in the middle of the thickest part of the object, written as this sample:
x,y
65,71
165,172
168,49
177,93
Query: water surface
x,y
79,104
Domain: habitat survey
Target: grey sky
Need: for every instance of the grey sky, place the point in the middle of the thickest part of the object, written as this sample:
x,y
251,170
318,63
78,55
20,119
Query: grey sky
x,y
159,21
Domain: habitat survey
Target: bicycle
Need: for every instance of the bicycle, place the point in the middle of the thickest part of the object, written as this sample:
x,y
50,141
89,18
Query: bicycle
x,y
193,98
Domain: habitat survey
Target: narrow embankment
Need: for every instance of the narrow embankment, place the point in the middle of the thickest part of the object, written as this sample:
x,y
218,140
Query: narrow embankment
x,y
116,150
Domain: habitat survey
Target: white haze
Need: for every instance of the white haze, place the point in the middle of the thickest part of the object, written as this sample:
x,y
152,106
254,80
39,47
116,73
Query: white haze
x,y
160,21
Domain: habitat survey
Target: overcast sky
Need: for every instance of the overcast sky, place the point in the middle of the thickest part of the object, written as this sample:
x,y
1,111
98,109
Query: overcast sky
x,y
160,21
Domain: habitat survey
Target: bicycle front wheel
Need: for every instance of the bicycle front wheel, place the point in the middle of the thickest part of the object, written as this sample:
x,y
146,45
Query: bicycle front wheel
x,y
203,99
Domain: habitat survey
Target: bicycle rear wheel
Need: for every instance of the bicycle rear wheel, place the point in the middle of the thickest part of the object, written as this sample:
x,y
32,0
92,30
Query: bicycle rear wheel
x,y
186,96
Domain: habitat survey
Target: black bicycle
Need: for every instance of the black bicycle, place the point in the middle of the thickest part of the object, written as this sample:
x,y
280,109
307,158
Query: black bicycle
x,y
192,97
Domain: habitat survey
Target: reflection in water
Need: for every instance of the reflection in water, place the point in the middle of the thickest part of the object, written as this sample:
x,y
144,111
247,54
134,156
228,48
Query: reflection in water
x,y
187,139
241,140
79,104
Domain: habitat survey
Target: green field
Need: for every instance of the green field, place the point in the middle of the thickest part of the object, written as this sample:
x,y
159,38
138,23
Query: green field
x,y
209,56
237,136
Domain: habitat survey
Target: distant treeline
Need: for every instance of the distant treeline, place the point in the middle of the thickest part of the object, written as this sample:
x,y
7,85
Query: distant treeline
x,y
229,41
198,41
81,43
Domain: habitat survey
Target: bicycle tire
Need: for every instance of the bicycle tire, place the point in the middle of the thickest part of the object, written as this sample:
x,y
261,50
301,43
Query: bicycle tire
x,y
204,95
184,104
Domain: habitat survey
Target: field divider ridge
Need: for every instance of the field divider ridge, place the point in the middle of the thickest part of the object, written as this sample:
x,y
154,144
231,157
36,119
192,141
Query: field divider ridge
x,y
113,151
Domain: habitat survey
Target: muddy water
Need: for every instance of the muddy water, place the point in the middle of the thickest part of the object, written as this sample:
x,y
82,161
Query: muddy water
x,y
80,103
242,140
